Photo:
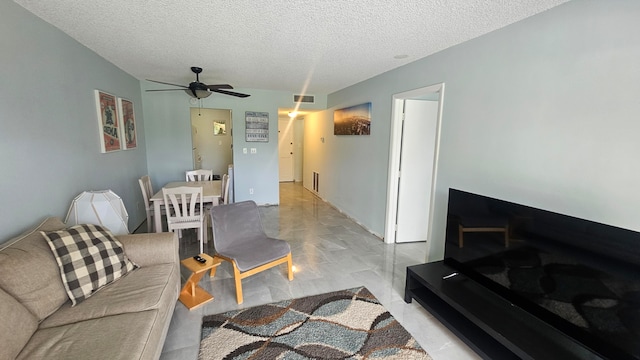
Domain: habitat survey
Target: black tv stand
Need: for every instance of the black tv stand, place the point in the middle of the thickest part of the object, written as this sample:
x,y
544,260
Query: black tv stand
x,y
489,324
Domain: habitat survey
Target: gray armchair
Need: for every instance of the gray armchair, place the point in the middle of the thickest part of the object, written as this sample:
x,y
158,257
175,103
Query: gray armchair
x,y
238,237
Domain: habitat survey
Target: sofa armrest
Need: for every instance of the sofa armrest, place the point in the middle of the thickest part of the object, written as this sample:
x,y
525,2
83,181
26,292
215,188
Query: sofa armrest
x,y
150,249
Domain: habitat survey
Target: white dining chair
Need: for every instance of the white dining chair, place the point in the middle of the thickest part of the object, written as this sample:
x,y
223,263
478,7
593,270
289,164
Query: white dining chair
x,y
147,193
199,175
185,211
224,191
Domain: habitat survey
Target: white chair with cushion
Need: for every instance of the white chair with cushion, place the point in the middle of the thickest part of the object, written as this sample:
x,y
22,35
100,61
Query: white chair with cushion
x,y
185,211
238,237
199,175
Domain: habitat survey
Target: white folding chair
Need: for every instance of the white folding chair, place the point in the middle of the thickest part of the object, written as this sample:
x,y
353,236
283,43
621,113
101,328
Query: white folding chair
x,y
199,175
185,211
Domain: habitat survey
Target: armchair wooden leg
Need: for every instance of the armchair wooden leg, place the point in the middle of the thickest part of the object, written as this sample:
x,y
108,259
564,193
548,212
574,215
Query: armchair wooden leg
x,y
290,266
238,279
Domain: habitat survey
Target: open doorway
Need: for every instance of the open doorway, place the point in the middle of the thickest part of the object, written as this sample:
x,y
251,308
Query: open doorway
x,y
413,163
211,139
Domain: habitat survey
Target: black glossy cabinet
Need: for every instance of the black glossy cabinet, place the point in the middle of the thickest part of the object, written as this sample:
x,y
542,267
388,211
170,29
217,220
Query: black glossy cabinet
x,y
485,321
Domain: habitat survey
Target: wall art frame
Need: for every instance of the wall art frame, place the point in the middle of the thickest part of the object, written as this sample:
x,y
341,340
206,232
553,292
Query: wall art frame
x,y
353,120
256,126
129,138
108,121
219,127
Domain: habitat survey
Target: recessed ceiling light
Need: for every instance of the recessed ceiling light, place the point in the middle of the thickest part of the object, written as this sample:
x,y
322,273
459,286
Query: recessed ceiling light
x,y
402,56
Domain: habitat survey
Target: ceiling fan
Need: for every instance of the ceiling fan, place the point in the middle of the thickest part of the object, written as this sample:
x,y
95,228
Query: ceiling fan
x,y
198,90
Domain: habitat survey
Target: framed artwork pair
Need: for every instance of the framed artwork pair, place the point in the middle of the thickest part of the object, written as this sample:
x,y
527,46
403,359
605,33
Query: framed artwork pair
x,y
116,122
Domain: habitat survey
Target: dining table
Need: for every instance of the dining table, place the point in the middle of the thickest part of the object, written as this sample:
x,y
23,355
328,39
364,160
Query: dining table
x,y
210,195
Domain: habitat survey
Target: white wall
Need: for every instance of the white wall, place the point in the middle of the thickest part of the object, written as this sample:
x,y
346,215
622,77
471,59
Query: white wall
x,y
168,134
49,149
543,112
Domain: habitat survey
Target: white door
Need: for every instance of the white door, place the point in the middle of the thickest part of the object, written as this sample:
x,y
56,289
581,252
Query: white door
x,y
416,169
285,149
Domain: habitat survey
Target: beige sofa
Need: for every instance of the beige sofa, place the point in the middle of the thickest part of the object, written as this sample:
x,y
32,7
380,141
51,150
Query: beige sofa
x,y
127,319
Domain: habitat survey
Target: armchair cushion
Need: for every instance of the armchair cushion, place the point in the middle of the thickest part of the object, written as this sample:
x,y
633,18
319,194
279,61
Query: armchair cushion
x,y
89,257
251,255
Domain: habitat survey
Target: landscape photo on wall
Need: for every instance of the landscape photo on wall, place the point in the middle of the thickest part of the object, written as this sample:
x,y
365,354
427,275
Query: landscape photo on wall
x,y
354,120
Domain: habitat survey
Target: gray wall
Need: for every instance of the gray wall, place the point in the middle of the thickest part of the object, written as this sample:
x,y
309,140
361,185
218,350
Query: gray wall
x,y
168,134
49,149
543,112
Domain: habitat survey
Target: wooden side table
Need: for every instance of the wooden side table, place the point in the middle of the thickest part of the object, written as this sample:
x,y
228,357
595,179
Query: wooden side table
x,y
191,294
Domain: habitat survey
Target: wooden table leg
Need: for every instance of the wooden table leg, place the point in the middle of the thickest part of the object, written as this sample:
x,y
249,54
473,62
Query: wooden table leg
x,y
193,295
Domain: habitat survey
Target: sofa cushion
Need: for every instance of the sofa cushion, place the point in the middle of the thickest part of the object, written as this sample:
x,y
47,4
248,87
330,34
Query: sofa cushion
x,y
16,327
30,273
123,336
89,257
151,287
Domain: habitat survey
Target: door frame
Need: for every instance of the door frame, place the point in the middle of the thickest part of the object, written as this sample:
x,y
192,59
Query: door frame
x,y
395,146
228,137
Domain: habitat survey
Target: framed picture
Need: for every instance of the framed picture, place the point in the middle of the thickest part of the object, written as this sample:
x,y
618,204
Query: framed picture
x,y
129,137
354,120
219,127
256,126
108,123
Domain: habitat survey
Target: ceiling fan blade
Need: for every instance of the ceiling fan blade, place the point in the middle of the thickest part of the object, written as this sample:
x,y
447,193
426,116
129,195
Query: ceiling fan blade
x,y
230,93
166,90
165,83
219,86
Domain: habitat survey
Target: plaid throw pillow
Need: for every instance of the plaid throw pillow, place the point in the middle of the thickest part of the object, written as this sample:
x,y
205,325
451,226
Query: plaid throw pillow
x,y
89,257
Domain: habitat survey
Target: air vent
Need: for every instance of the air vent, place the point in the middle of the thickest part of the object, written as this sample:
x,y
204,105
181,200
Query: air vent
x,y
316,182
308,99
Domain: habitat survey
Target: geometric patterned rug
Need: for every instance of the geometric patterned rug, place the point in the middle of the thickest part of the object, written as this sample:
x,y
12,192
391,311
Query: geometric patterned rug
x,y
346,324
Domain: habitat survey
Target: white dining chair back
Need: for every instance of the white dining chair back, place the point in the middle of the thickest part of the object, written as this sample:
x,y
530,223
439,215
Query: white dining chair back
x,y
199,175
147,193
224,191
185,210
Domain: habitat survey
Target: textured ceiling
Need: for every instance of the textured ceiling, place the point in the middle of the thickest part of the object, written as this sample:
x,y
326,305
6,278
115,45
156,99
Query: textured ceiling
x,y
304,46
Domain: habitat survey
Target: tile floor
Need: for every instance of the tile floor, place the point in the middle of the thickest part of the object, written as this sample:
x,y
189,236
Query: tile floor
x,y
330,252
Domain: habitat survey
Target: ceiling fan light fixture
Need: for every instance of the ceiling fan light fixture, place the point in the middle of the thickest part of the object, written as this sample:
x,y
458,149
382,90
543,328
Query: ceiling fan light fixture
x,y
198,94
